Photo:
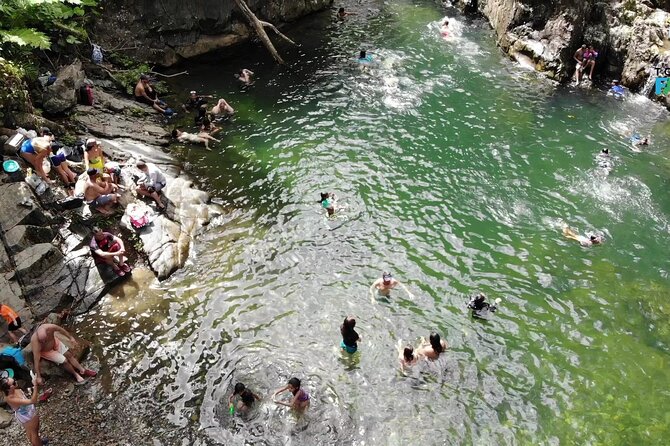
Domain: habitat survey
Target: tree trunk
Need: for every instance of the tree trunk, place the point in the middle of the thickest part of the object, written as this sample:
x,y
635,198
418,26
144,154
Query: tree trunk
x,y
258,27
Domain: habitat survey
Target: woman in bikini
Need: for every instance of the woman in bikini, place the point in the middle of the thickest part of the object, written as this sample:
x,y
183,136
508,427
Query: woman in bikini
x,y
35,151
24,408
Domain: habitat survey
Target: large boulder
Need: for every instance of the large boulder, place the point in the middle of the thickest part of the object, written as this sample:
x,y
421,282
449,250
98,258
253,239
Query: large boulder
x,y
22,236
61,96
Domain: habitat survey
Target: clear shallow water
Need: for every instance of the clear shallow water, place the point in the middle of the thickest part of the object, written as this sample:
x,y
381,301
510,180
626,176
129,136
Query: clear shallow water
x,y
457,169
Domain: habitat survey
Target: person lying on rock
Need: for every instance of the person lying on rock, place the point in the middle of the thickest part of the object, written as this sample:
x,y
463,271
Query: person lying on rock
x,y
146,94
200,138
35,151
153,182
45,345
100,195
109,249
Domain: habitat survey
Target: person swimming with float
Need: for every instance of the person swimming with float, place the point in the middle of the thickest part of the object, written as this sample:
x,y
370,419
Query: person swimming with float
x,y
300,400
328,202
480,308
350,337
617,90
583,240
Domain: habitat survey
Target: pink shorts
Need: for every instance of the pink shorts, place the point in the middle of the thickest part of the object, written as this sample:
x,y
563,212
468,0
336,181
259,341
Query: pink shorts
x,y
57,354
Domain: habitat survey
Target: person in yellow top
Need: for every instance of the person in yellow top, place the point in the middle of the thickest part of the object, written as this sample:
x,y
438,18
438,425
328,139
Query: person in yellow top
x,y
13,321
93,156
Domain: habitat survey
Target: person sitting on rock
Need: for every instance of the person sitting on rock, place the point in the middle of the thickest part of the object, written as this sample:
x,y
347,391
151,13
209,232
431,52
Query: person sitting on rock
x,y
195,101
109,249
100,195
35,151
58,158
200,138
153,182
146,94
581,62
13,321
46,345
244,76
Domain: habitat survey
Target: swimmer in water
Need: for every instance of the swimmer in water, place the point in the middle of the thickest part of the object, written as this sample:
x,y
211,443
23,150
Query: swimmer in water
x,y
328,202
480,308
350,337
300,400
583,240
364,57
385,285
444,30
406,355
244,76
604,160
644,141
433,348
246,398
341,14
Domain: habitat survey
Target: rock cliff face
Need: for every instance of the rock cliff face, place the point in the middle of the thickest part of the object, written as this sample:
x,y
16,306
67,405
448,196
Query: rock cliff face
x,y
631,35
170,30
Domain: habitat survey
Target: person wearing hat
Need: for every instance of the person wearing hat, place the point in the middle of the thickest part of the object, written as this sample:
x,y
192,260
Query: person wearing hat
x,y
385,284
145,93
195,101
100,195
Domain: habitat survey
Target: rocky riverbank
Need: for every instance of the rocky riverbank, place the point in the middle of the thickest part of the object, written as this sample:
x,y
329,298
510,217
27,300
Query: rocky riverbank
x,y
632,36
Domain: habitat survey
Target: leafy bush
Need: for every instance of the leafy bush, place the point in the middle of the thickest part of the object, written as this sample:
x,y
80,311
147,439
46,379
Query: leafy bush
x,y
14,95
34,24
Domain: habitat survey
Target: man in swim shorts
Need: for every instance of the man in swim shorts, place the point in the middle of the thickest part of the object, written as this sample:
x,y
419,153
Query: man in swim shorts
x,y
581,63
46,345
145,93
100,195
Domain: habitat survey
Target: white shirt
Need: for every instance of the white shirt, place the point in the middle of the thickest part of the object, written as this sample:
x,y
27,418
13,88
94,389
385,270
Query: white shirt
x,y
154,175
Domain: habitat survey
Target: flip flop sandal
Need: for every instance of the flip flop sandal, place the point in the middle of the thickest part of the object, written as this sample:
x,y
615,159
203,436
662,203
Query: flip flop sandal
x,y
46,395
89,373
125,267
81,383
120,272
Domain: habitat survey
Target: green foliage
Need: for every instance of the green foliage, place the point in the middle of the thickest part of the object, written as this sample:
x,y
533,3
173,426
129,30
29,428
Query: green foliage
x,y
14,96
35,24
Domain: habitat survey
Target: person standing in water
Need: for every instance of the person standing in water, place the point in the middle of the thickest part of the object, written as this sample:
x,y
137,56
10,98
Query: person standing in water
x,y
350,337
386,284
583,240
24,408
433,348
406,355
244,76
300,400
444,30
328,202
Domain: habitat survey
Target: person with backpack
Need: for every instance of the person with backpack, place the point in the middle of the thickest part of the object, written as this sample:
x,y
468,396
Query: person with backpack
x,y
153,182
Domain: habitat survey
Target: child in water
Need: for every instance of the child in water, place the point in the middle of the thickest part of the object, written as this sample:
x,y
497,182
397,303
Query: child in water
x,y
328,202
480,308
349,336
300,400
406,355
246,398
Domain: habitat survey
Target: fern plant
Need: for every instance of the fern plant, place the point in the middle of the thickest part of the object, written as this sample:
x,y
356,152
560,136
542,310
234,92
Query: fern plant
x,y
33,24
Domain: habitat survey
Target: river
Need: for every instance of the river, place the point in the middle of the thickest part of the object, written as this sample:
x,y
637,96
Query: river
x,y
456,169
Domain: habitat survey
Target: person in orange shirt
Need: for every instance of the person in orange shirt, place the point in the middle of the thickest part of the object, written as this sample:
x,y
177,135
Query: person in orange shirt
x,y
13,322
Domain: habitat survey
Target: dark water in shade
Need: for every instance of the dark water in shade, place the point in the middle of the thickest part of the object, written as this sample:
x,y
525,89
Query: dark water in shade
x,y
458,169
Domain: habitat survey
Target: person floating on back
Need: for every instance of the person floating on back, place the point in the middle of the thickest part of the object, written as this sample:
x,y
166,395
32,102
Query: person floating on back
x,y
200,138
583,240
350,337
480,308
385,284
246,399
300,400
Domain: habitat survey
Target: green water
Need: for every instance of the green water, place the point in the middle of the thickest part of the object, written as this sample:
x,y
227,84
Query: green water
x,y
458,169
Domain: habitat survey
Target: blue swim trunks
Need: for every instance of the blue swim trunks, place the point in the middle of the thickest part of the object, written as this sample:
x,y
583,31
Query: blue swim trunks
x,y
347,348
